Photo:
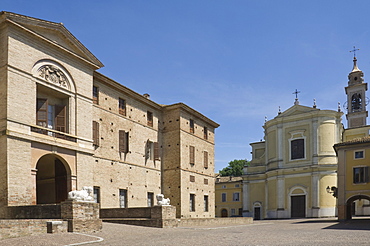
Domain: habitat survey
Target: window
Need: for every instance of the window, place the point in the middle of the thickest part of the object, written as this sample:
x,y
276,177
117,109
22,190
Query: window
x,y
97,194
359,154
122,106
122,198
51,116
360,175
95,95
150,199
236,197
152,150
297,149
192,155
223,197
123,141
224,187
149,117
233,212
192,202
191,126
205,132
237,186
192,178
206,181
205,203
96,133
205,159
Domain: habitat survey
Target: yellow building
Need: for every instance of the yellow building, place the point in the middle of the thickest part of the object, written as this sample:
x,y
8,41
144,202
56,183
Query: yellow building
x,y
229,196
354,152
290,169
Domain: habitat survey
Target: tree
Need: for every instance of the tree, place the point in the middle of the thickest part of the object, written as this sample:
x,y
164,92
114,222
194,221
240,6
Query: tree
x,y
235,168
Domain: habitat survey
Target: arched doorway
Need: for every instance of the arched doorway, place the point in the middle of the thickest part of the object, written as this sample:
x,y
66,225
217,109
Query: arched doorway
x,y
224,213
350,205
298,202
52,180
257,211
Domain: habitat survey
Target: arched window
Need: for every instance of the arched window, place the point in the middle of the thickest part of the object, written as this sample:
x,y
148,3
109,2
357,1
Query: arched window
x,y
356,102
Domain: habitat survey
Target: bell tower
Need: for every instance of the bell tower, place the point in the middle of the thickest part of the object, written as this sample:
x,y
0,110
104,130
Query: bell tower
x,y
356,97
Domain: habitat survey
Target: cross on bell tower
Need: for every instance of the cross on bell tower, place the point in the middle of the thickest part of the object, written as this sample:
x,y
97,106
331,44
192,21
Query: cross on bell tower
x,y
356,95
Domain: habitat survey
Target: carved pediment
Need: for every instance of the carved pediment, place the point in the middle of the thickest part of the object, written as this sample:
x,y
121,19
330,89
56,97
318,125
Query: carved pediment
x,y
53,75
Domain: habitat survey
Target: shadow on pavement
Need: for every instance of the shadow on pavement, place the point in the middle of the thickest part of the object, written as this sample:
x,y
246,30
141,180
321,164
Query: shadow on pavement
x,y
354,224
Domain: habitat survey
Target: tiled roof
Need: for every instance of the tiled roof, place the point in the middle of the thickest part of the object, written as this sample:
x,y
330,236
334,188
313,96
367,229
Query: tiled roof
x,y
354,141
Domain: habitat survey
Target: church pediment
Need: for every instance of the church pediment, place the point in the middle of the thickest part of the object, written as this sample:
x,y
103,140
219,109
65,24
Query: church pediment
x,y
54,32
295,110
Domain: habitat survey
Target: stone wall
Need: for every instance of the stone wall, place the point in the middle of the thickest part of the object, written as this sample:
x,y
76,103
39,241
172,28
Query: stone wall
x,y
47,211
20,228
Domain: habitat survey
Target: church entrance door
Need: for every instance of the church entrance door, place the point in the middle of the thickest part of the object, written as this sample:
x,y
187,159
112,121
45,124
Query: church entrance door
x,y
51,180
298,206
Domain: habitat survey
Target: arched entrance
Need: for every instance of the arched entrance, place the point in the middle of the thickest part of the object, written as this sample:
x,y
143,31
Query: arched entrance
x,y
297,202
257,211
350,205
52,180
224,213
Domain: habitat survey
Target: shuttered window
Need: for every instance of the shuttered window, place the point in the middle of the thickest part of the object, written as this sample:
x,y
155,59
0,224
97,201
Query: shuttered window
x,y
95,95
205,159
123,141
191,126
96,133
192,155
45,116
149,116
192,178
122,106
60,118
42,112
156,151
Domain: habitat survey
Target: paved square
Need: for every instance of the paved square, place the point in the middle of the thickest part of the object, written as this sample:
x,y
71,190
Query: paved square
x,y
265,232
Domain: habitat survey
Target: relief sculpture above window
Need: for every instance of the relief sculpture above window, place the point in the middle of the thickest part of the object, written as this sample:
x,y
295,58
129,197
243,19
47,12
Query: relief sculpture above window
x,y
53,75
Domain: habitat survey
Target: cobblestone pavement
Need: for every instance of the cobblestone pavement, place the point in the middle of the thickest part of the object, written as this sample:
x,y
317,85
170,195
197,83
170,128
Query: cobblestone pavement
x,y
265,232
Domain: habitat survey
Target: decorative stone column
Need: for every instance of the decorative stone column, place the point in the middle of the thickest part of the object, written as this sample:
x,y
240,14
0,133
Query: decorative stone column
x,y
81,216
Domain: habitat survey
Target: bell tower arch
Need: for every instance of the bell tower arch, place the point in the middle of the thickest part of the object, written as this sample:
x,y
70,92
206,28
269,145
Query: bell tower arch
x,y
356,97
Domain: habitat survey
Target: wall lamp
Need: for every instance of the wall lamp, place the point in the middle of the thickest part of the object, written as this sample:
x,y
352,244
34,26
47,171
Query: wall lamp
x,y
333,190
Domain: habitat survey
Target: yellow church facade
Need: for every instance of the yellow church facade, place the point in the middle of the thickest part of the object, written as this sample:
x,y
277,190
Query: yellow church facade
x,y
291,168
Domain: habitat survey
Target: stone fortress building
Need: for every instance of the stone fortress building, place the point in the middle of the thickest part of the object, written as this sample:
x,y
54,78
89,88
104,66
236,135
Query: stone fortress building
x,y
63,125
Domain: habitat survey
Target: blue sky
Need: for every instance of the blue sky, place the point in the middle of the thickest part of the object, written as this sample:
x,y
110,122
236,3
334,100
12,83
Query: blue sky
x,y
234,61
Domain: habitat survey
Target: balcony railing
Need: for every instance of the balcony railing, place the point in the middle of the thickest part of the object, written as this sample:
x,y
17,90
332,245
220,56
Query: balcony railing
x,y
53,133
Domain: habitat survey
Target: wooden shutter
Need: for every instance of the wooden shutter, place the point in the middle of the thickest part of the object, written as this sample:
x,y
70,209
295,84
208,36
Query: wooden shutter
x,y
122,106
147,149
156,151
192,155
123,141
96,133
192,178
42,112
149,118
60,118
95,95
205,159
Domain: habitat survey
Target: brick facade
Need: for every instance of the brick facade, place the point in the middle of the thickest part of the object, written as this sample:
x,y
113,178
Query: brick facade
x,y
49,151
